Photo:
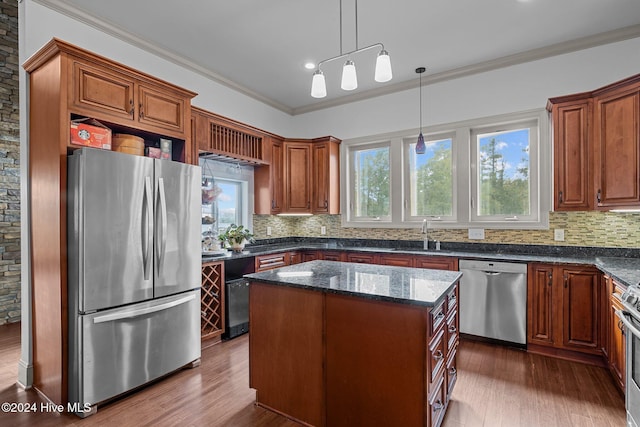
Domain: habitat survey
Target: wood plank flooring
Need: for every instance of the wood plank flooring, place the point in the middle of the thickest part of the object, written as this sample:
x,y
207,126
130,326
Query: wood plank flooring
x,y
497,386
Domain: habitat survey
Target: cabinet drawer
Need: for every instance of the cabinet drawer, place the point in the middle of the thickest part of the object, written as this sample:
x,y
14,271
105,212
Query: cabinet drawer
x,y
436,359
268,262
437,318
437,402
331,255
452,330
361,258
452,299
396,260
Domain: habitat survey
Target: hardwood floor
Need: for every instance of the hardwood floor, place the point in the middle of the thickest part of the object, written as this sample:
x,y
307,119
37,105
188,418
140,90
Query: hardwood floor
x,y
497,386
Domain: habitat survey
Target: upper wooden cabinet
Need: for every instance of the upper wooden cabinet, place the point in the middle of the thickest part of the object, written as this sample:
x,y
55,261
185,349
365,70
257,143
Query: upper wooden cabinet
x,y
297,177
617,147
106,91
572,172
597,147
326,176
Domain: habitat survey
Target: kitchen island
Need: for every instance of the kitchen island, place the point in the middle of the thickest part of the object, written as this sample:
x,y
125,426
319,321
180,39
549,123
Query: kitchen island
x,y
344,344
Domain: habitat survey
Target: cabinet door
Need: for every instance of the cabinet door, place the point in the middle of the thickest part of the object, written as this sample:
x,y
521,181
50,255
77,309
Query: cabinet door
x,y
572,176
326,177
102,92
295,258
617,149
159,108
540,306
297,177
617,343
276,172
580,308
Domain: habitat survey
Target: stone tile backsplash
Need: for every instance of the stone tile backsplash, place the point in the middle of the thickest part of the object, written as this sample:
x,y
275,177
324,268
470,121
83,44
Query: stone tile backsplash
x,y
598,229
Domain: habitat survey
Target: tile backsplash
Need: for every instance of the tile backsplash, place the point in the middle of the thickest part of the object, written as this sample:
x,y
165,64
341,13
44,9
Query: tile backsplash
x,y
599,229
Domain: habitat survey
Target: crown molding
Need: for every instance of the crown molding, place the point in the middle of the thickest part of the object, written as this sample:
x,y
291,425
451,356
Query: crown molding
x,y
112,29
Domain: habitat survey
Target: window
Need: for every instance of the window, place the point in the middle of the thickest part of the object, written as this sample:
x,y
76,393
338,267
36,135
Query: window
x,y
430,179
225,196
492,173
502,184
371,182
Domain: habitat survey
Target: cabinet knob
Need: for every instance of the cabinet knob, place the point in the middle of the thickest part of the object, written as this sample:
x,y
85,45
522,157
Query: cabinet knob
x,y
550,279
131,105
438,355
326,204
560,197
566,281
141,111
599,196
452,329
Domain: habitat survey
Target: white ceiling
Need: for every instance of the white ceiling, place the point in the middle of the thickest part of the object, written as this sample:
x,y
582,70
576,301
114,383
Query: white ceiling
x,y
260,47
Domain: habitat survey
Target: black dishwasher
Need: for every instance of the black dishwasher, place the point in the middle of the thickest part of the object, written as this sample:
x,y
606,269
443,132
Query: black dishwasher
x,y
236,304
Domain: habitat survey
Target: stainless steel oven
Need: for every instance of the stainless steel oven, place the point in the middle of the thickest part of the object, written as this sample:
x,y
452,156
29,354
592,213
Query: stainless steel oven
x,y
630,316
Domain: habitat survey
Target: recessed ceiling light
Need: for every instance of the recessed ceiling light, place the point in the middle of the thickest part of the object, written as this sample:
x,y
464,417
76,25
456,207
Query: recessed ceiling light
x,y
309,65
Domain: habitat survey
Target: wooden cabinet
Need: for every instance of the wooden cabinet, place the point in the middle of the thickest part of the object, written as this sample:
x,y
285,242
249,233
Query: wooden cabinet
x,y
615,334
118,95
572,154
309,256
362,257
617,147
563,307
331,255
212,300
65,83
397,260
326,177
269,262
268,179
297,177
436,263
597,147
295,258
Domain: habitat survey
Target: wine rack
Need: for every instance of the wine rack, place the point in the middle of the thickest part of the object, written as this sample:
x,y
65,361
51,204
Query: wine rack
x,y
212,305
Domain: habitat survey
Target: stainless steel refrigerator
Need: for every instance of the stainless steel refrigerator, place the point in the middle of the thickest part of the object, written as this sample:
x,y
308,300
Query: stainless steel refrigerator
x,y
134,272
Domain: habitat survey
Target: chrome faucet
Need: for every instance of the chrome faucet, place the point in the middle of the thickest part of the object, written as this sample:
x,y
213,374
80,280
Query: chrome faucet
x,y
425,229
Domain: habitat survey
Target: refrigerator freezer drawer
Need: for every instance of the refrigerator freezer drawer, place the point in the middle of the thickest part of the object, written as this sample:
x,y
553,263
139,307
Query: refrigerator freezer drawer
x,y
123,348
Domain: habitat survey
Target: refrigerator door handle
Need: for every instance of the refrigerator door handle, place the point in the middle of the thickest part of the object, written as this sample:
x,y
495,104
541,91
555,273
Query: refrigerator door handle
x,y
142,311
163,226
147,220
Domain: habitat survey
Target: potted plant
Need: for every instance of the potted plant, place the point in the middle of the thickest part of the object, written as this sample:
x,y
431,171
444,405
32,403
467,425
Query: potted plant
x,y
236,236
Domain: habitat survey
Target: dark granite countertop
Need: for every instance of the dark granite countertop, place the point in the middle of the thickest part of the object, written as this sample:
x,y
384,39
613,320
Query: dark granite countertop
x,y
415,286
621,264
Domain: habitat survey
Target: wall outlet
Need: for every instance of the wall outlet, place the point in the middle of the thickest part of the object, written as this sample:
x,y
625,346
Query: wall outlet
x,y
476,233
323,230
558,235
268,231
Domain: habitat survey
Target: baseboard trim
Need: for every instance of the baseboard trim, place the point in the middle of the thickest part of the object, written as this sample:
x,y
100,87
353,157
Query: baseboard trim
x,y
25,374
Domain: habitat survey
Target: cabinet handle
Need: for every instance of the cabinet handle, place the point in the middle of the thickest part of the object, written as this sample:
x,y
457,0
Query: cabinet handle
x,y
598,196
621,327
452,371
566,281
437,406
131,104
438,355
308,205
550,279
560,197
452,329
326,204
141,111
439,316
273,204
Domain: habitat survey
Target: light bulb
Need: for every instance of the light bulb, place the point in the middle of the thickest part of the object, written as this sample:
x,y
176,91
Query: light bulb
x,y
318,85
349,78
383,67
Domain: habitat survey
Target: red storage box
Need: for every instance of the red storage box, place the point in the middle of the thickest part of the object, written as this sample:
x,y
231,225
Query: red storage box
x,y
90,133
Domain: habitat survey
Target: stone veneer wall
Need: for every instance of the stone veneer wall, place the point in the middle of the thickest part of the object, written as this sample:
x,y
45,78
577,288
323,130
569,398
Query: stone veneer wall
x,y
9,165
598,229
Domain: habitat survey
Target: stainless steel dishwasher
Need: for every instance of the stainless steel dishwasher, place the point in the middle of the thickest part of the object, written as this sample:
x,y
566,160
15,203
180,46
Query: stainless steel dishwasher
x,y
493,300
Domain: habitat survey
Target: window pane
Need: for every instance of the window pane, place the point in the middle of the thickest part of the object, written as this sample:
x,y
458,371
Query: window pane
x,y
371,169
229,201
503,172
431,179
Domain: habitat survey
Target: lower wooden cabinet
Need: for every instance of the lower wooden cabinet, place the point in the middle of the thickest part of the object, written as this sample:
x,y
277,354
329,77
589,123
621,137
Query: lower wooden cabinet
x,y
396,260
331,255
363,258
309,256
269,262
615,346
437,263
212,300
564,307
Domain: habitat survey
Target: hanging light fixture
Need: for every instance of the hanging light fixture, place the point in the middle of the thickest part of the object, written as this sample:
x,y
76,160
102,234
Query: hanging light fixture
x,y
349,80
421,148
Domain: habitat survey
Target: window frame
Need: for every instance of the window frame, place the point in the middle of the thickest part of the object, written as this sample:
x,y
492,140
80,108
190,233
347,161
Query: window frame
x,y
461,156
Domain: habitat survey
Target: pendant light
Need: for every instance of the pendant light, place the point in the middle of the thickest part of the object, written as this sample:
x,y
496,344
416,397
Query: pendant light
x,y
349,81
421,148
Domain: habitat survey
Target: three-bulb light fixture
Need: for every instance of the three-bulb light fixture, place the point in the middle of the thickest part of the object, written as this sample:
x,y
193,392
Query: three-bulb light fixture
x,y
349,81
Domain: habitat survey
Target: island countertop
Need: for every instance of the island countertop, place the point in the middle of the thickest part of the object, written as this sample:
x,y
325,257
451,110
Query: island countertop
x,y
404,285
